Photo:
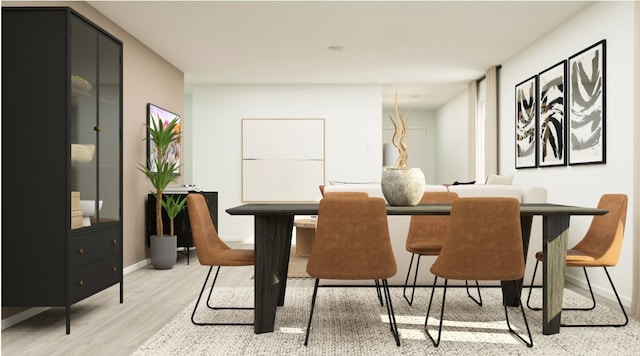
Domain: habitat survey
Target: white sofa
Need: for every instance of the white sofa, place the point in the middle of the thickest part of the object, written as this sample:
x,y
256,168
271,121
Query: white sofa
x,y
399,225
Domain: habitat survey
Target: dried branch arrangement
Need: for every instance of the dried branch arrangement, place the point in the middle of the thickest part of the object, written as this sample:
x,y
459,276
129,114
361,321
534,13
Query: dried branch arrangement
x,y
400,132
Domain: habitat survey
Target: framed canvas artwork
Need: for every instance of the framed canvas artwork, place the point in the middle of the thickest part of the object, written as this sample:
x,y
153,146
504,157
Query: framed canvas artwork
x,y
525,125
551,123
587,114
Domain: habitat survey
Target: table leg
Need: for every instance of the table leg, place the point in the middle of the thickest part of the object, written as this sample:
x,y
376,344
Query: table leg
x,y
272,248
555,236
511,293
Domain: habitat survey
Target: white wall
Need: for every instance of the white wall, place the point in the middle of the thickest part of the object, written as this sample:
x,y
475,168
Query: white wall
x,y
583,185
353,130
422,122
353,150
451,142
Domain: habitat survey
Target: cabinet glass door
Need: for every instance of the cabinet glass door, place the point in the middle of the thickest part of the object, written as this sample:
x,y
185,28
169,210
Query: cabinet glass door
x,y
109,128
84,108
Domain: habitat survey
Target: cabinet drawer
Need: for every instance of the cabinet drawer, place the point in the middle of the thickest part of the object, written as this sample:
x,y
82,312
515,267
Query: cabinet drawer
x,y
92,278
90,248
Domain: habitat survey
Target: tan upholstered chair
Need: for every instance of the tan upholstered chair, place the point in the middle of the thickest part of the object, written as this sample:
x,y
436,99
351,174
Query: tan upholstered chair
x,y
212,251
484,243
330,195
600,247
426,233
345,195
352,243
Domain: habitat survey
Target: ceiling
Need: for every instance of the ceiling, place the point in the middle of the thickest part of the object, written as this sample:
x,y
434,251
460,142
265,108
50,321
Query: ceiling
x,y
427,51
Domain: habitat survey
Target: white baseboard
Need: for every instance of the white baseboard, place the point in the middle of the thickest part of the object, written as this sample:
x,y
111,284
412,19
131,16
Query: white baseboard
x,y
14,319
31,312
136,266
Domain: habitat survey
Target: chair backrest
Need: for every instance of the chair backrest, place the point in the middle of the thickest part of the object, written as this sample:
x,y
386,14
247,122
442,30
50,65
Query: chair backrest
x,y
603,240
352,240
426,232
205,237
346,195
484,241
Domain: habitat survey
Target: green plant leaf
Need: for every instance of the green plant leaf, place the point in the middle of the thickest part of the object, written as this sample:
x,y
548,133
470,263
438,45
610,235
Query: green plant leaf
x,y
162,136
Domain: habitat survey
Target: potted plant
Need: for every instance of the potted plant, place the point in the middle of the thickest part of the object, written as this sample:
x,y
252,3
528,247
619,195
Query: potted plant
x,y
160,170
173,205
401,185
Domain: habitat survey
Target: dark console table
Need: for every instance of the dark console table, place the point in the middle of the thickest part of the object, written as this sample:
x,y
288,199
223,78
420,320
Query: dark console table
x,y
182,226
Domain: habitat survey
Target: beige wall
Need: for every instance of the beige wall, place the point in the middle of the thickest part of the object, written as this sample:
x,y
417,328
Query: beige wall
x,y
147,78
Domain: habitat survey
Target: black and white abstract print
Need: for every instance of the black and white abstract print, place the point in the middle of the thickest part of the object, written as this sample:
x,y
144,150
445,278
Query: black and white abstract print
x,y
587,105
551,150
526,109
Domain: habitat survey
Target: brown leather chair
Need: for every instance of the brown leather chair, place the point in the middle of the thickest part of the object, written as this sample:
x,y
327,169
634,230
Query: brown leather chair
x,y
345,195
600,247
355,195
426,233
212,251
484,243
352,243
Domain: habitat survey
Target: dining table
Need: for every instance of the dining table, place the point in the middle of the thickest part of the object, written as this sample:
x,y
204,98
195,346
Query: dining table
x,y
273,227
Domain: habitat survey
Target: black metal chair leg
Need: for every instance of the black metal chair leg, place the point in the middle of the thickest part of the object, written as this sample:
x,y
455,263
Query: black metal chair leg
x,y
204,285
593,301
626,318
415,279
390,312
593,298
524,317
215,278
436,343
313,304
479,300
535,269
586,276
378,291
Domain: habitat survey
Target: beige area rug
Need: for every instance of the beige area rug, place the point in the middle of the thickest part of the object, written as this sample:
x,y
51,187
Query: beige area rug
x,y
350,321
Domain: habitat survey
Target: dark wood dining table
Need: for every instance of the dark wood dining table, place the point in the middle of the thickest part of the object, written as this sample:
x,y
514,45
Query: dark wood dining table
x,y
273,226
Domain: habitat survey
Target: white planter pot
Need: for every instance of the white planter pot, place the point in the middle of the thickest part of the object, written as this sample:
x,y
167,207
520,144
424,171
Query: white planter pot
x,y
402,186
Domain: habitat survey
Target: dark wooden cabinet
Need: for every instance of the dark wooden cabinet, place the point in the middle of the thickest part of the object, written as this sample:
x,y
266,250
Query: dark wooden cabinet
x,y
182,227
61,158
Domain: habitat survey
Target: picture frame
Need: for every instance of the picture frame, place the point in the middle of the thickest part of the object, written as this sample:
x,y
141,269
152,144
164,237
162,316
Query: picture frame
x,y
155,112
552,124
526,123
587,105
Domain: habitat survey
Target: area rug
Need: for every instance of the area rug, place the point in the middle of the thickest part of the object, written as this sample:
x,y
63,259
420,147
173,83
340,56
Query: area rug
x,y
350,321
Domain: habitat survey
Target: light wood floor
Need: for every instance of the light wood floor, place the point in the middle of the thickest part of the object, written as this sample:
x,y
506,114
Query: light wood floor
x,y
100,325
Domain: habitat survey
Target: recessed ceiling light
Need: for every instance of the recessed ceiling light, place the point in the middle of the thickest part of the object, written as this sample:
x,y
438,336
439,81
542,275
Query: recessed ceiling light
x,y
336,48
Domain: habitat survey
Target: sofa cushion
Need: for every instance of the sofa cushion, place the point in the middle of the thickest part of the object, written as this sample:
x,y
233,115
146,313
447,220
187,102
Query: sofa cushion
x,y
498,179
375,190
524,193
482,190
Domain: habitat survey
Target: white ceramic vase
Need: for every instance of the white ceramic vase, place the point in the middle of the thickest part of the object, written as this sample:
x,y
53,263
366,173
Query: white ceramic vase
x,y
402,186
